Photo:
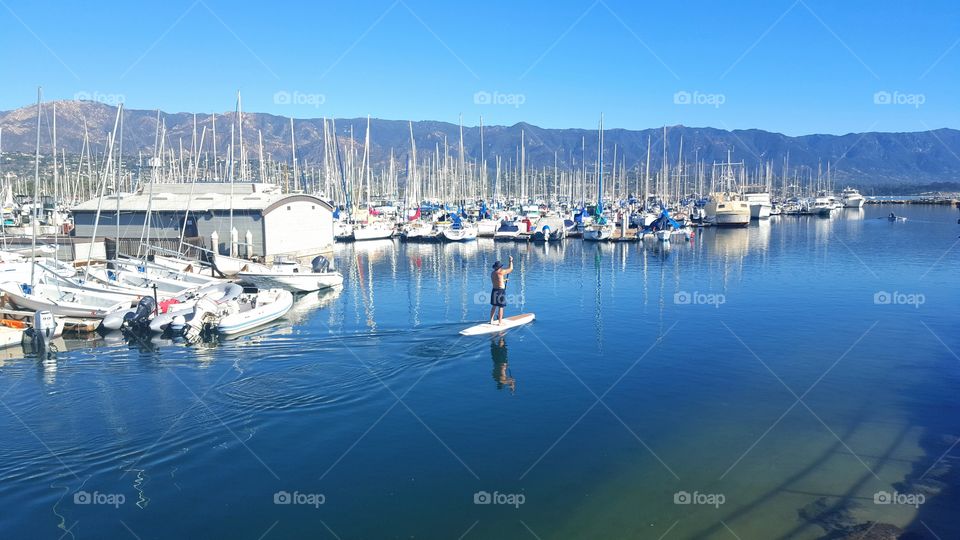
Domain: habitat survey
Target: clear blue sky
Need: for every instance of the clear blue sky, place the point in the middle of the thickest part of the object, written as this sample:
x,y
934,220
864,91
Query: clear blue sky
x,y
801,67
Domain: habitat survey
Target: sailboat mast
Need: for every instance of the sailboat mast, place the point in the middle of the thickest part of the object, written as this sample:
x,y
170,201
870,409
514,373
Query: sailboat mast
x,y
36,192
293,153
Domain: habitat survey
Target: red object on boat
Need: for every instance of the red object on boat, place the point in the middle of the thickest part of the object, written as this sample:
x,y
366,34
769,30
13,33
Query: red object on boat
x,y
165,305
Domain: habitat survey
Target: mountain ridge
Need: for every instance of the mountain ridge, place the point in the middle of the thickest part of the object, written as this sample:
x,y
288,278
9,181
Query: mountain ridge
x,y
868,158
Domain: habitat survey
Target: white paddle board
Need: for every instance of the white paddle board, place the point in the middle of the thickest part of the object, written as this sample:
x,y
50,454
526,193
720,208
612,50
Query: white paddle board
x,y
508,323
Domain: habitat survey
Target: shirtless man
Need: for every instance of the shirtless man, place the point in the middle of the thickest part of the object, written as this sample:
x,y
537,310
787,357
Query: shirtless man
x,y
498,297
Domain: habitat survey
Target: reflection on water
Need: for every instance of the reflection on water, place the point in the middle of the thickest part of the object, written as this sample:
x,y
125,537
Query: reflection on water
x,y
501,368
368,395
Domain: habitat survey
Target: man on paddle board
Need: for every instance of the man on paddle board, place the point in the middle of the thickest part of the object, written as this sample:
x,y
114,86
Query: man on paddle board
x,y
498,296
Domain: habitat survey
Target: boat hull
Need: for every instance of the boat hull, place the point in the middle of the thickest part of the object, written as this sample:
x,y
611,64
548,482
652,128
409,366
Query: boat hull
x,y
261,315
460,235
293,282
361,234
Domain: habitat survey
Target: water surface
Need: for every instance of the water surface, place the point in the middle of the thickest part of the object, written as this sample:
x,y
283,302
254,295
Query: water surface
x,y
795,368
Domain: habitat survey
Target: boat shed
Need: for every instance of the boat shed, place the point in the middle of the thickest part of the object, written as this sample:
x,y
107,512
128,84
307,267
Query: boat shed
x,y
290,224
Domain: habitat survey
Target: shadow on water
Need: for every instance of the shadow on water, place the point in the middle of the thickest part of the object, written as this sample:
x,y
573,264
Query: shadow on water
x,y
934,477
810,469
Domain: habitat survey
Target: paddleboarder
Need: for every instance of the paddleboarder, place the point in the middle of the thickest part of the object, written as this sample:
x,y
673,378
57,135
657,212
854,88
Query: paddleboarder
x,y
498,296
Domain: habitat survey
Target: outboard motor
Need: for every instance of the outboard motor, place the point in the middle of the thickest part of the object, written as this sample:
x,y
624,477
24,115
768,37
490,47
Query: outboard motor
x,y
320,264
140,318
43,331
205,313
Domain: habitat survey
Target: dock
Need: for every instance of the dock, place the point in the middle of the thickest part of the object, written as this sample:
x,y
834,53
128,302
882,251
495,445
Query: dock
x,y
71,325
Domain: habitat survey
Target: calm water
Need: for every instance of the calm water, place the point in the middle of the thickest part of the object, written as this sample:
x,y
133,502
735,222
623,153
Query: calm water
x,y
789,371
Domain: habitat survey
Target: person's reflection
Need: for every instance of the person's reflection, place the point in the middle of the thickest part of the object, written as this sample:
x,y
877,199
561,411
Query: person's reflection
x,y
498,352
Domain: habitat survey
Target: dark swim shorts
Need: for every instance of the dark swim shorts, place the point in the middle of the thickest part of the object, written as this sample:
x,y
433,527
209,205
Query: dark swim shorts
x,y
498,298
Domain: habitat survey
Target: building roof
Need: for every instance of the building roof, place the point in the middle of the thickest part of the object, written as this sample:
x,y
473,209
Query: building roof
x,y
199,197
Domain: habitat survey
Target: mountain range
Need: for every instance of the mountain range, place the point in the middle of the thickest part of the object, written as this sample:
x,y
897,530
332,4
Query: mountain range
x,y
863,159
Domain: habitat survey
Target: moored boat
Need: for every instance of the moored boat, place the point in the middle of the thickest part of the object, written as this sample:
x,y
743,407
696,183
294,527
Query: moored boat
x,y
252,310
295,277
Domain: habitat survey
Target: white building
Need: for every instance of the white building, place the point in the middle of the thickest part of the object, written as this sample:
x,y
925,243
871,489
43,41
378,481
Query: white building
x,y
292,224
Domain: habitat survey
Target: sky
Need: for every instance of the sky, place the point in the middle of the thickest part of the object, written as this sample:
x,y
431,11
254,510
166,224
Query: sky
x,y
790,66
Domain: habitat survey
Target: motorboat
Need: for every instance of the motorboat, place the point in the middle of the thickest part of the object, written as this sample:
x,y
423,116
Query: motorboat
x,y
759,199
852,198
143,314
242,314
727,209
295,277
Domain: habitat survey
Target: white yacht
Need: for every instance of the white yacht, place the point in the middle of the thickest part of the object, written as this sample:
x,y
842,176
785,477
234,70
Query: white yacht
x,y
759,199
852,198
728,210
823,204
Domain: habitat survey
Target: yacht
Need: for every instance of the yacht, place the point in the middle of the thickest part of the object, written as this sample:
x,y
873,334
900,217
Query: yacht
x,y
728,210
759,199
852,198
823,204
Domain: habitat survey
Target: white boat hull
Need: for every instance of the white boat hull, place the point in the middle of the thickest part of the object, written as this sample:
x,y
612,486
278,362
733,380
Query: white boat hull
x,y
372,232
294,282
218,295
263,313
464,234
760,210
598,234
65,302
487,228
231,266
853,203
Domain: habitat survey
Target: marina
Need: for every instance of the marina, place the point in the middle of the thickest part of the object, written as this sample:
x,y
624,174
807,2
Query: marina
x,y
690,347
422,270
677,311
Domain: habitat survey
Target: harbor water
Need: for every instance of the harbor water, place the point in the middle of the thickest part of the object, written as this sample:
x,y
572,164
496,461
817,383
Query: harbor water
x,y
777,381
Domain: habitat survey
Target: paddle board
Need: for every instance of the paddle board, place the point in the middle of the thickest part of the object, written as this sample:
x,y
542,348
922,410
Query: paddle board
x,y
508,323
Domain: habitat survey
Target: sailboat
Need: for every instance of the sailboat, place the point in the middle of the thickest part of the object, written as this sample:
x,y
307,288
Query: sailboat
x,y
59,300
600,230
460,231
